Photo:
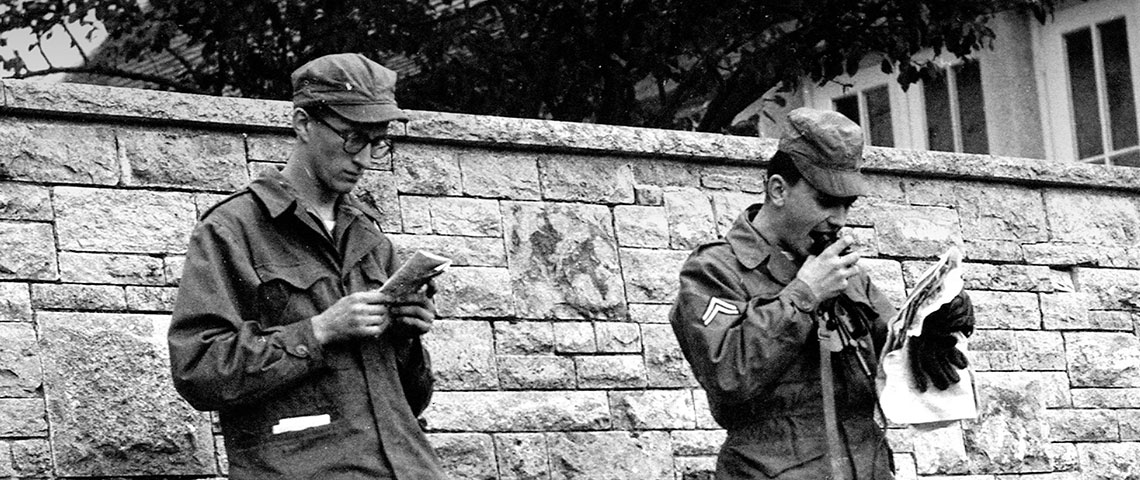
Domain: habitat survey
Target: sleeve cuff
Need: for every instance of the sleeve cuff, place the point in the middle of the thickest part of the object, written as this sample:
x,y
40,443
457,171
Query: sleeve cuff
x,y
299,341
801,296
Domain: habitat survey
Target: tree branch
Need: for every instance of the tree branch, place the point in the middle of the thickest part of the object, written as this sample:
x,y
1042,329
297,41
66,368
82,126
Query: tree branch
x,y
745,84
75,42
278,22
698,73
40,47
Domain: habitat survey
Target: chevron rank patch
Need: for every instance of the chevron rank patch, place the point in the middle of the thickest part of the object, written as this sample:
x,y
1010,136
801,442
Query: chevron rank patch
x,y
717,307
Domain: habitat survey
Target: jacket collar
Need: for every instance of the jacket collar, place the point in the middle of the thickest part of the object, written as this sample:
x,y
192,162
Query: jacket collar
x,y
753,248
273,189
274,192
279,198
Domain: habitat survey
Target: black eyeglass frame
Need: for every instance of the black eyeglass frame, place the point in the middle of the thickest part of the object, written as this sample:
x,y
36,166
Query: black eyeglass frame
x,y
354,141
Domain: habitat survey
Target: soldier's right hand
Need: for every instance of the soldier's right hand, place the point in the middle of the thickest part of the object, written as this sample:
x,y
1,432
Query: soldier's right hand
x,y
359,315
828,273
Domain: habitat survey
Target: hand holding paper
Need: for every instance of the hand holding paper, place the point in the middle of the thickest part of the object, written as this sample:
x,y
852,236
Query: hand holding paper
x,y
415,273
413,310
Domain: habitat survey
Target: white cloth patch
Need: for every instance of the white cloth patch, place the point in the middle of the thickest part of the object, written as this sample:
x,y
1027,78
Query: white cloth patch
x,y
300,423
717,307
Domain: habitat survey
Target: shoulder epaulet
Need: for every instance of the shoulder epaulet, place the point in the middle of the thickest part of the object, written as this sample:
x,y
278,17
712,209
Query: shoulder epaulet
x,y
224,201
718,242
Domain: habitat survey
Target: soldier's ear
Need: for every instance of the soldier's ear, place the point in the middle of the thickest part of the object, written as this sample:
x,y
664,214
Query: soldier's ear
x,y
302,124
776,190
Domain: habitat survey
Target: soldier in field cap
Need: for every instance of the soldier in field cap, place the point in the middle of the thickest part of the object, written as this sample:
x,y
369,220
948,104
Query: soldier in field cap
x,y
759,309
278,325
352,86
827,148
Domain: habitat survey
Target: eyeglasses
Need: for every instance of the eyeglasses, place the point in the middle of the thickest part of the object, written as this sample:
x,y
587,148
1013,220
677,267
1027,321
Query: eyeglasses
x,y
354,141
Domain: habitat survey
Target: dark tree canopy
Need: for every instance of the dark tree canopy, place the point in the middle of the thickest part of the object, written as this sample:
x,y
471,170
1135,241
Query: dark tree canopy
x,y
652,63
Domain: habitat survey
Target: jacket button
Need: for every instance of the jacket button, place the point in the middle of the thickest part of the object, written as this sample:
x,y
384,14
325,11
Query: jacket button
x,y
302,350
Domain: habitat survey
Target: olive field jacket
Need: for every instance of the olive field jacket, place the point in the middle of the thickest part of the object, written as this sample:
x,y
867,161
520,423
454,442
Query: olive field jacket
x,y
258,268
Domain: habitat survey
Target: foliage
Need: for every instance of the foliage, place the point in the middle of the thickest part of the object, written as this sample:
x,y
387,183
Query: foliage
x,y
628,62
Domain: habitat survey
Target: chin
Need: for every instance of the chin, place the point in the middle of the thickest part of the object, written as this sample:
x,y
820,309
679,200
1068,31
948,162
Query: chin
x,y
340,186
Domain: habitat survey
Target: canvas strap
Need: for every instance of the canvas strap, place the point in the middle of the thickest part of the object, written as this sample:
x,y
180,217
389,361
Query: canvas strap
x,y
838,462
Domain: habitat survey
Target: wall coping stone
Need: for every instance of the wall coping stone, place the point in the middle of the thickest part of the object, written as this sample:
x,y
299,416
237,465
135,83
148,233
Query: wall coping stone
x,y
152,106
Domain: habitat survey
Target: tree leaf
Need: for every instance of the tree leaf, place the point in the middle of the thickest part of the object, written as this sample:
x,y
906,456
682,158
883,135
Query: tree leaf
x,y
657,63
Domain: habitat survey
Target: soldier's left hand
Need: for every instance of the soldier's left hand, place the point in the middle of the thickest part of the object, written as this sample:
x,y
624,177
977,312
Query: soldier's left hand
x,y
413,315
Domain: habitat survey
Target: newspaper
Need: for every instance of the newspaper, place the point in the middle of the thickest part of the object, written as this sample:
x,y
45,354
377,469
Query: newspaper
x,y
901,401
415,273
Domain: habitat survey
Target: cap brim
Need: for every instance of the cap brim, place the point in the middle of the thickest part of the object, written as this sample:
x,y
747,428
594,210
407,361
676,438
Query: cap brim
x,y
837,183
370,113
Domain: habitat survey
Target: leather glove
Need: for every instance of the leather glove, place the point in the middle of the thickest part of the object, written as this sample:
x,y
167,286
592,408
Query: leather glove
x,y
956,316
934,356
933,361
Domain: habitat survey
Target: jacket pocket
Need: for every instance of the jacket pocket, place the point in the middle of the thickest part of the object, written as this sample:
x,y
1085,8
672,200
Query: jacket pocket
x,y
290,293
299,454
772,457
250,426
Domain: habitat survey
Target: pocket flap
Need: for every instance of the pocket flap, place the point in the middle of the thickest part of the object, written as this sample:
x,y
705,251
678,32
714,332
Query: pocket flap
x,y
775,457
300,276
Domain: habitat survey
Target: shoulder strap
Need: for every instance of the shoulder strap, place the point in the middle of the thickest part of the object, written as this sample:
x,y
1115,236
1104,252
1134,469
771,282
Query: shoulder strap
x,y
223,201
838,462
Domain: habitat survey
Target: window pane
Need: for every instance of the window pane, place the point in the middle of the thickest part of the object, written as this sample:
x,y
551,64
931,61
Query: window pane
x,y
848,106
971,108
939,126
879,116
1130,159
1083,93
1118,80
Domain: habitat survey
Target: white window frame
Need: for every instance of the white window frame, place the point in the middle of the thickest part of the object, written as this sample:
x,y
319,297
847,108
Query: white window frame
x,y
920,118
868,77
908,109
1053,78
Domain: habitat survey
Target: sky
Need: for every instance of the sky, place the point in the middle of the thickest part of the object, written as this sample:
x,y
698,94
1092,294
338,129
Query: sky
x,y
58,48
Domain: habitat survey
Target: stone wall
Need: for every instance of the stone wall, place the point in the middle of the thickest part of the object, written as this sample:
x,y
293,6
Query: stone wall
x,y
553,355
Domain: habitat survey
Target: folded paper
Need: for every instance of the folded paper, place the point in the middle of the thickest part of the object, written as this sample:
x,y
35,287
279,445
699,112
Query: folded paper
x,y
415,273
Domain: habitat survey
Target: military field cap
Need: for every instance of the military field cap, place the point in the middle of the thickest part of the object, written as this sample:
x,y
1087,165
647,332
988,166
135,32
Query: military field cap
x,y
351,85
827,148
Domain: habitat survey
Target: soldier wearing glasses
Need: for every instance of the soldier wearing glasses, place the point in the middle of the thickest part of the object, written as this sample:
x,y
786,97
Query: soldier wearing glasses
x,y
278,326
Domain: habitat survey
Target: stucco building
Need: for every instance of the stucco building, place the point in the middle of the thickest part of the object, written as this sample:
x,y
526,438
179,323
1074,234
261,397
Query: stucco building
x,y
1063,90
